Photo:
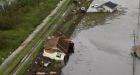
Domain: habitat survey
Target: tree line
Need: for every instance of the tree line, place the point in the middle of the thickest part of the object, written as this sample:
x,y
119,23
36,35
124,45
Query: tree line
x,y
10,14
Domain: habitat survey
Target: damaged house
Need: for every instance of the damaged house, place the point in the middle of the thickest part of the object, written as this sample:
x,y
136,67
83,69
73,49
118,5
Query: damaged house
x,y
136,51
108,7
58,47
105,7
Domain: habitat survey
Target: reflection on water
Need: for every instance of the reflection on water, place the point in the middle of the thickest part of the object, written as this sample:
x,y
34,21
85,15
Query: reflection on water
x,y
105,49
92,19
102,49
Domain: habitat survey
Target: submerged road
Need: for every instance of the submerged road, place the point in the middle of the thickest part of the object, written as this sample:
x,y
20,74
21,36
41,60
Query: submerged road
x,y
103,42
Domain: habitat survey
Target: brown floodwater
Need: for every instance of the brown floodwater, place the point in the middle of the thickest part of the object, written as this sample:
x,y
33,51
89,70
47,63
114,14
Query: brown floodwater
x,y
103,42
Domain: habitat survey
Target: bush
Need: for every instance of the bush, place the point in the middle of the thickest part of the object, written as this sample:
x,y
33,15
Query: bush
x,y
2,43
8,22
9,16
18,21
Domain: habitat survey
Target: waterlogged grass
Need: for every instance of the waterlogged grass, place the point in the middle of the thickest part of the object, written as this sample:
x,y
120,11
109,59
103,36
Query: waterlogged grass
x,y
11,39
93,19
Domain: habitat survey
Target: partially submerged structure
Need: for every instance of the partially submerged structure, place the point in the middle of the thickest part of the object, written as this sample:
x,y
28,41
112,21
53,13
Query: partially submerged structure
x,y
55,55
136,51
57,47
105,7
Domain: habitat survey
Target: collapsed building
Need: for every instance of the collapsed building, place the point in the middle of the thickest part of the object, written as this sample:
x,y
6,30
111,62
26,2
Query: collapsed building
x,y
58,47
136,51
56,52
105,7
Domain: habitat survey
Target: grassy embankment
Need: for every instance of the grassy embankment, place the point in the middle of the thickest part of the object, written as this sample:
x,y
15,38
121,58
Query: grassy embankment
x,y
64,26
22,17
50,24
40,35
54,22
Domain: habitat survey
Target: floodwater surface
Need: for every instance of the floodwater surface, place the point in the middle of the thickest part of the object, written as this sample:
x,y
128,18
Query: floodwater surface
x,y
103,42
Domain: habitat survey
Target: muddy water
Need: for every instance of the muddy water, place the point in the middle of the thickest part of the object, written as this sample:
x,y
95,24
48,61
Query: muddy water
x,y
103,43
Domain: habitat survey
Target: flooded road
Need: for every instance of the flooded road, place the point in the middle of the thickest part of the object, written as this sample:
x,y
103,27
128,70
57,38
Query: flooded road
x,y
103,42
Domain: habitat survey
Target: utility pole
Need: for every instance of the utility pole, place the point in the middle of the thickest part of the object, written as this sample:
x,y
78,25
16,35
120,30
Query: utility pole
x,y
134,49
136,38
138,26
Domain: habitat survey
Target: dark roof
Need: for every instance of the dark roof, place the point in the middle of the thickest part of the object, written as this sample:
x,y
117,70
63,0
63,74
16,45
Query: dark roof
x,y
62,43
110,4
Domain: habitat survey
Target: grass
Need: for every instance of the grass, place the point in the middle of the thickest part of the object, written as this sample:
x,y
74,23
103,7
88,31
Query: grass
x,y
32,57
21,55
22,69
51,23
65,28
12,38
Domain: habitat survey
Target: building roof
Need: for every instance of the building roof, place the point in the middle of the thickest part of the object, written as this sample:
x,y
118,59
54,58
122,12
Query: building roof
x,y
136,50
110,4
57,43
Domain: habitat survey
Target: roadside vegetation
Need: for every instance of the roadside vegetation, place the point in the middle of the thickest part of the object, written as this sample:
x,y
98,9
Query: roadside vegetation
x,y
19,20
66,25
57,23
49,29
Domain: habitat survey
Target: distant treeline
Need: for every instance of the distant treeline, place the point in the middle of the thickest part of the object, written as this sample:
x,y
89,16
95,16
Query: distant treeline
x,y
9,14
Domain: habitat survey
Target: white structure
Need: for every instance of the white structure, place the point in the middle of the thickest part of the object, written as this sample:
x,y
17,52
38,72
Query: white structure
x,y
54,55
136,50
57,47
109,7
106,7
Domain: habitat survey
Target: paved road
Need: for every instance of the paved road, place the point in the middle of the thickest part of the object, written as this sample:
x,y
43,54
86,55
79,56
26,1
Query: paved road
x,y
103,43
